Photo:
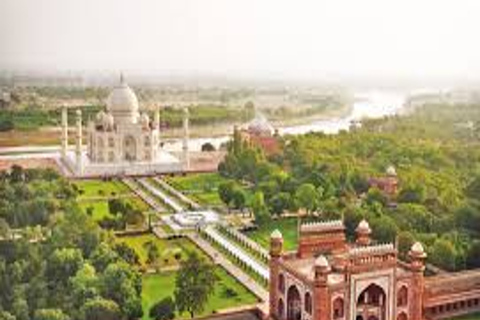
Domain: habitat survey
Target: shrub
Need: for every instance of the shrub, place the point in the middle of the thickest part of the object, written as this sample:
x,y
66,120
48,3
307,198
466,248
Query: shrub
x,y
163,310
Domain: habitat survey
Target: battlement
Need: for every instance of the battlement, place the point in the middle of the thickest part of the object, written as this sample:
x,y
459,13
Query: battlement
x,y
378,249
321,237
332,225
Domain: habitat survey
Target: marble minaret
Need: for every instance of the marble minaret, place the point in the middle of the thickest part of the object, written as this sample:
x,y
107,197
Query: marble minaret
x,y
64,132
78,148
186,156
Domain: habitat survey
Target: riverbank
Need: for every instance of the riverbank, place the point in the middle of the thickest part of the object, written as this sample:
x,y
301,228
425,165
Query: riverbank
x,y
50,136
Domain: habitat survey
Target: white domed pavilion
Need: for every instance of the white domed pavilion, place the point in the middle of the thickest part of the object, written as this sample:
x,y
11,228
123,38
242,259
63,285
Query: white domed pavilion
x,y
121,139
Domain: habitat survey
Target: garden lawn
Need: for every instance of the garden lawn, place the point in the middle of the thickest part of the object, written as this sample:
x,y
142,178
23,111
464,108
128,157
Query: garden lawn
x,y
202,187
99,188
167,248
101,210
159,286
472,316
288,228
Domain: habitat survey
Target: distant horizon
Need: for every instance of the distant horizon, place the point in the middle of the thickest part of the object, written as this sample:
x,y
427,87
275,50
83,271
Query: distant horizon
x,y
416,40
108,77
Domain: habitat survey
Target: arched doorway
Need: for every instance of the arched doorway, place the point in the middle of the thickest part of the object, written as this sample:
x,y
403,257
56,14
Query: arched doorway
x,y
130,148
338,309
281,309
294,304
402,297
402,316
371,303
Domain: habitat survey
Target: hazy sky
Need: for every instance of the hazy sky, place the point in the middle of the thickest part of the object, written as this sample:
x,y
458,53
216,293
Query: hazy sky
x,y
314,39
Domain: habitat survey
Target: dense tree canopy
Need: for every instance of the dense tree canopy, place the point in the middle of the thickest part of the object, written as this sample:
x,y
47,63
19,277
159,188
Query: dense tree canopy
x,y
437,159
74,270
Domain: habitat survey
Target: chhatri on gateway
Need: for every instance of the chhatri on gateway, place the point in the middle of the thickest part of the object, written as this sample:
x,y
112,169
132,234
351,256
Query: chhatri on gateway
x,y
122,140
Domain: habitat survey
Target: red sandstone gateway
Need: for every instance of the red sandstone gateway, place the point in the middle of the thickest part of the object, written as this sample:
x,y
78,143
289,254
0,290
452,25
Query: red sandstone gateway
x,y
328,278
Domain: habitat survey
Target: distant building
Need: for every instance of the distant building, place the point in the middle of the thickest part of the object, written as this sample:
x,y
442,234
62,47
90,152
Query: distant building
x,y
121,140
387,184
260,133
5,99
328,278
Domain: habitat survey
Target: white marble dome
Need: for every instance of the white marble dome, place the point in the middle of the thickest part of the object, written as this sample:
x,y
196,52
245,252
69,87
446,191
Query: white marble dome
x,y
417,248
122,103
363,226
276,234
391,171
322,262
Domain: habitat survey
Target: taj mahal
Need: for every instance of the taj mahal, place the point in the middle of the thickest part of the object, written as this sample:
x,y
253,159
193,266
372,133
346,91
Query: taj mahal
x,y
121,140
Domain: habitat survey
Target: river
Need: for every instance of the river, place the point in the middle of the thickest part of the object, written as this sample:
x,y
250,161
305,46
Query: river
x,y
373,104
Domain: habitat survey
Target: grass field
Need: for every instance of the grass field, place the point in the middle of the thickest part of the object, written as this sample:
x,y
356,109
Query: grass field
x,y
202,187
288,228
472,316
100,207
167,248
159,286
99,188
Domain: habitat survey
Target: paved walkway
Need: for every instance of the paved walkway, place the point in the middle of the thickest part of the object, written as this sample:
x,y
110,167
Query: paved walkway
x,y
143,195
237,252
235,271
246,241
163,196
177,193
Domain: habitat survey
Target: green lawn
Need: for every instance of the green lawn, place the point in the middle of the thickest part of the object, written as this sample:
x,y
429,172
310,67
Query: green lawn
x,y
472,316
100,207
202,187
99,188
167,248
288,228
159,286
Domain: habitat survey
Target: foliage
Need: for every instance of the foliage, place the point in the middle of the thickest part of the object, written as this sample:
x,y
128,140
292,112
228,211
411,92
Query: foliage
x,y
163,310
195,282
437,159
71,271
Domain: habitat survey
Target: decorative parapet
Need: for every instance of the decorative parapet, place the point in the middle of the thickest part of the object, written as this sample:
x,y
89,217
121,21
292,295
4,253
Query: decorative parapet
x,y
322,226
377,249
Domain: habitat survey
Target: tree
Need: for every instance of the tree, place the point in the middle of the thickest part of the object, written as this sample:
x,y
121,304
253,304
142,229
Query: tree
x,y
4,229
259,208
103,256
63,264
443,254
84,284
116,206
473,257
127,253
101,309
473,188
4,315
239,198
413,194
163,310
374,195
50,314
120,283
307,197
208,147
384,228
194,284
17,174
152,252
280,202
225,192
405,242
